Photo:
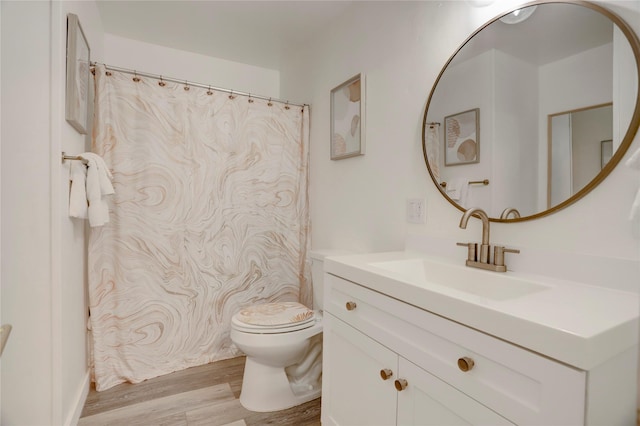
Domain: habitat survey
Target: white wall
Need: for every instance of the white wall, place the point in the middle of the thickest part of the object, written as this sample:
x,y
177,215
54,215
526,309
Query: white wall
x,y
516,135
465,86
69,235
179,64
359,203
44,368
26,239
563,89
492,82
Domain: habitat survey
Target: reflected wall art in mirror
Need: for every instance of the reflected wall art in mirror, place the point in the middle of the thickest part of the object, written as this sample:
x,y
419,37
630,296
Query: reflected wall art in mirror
x,y
551,88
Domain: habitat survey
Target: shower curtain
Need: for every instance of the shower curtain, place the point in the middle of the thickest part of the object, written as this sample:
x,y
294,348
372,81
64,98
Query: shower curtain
x,y
210,214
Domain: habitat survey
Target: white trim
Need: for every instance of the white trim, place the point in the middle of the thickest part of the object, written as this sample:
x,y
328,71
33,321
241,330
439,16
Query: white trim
x,y
56,73
73,416
0,200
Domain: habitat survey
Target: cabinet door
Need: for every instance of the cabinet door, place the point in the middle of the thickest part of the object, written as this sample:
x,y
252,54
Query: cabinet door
x,y
429,401
354,392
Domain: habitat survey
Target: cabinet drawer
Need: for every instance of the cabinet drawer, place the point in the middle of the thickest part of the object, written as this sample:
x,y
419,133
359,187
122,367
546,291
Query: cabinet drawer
x,y
523,386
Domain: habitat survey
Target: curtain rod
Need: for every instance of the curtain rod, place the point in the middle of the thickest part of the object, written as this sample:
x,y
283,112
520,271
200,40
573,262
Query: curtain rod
x,y
190,83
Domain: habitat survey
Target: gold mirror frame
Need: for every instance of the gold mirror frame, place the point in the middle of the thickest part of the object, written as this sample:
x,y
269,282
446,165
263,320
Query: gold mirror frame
x,y
632,38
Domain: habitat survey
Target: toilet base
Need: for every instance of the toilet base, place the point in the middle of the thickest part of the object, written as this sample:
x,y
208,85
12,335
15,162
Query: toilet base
x,y
266,388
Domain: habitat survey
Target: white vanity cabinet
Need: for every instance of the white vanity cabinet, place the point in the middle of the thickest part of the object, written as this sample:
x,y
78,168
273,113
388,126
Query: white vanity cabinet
x,y
367,381
366,333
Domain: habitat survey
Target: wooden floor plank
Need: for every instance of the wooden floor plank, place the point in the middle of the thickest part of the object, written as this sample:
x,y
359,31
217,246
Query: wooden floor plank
x,y
217,415
307,414
161,410
226,371
205,395
238,423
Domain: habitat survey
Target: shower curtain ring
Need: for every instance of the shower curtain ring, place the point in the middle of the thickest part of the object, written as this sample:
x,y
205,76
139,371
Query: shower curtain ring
x,y
231,95
287,106
161,83
269,103
186,86
135,76
250,100
209,92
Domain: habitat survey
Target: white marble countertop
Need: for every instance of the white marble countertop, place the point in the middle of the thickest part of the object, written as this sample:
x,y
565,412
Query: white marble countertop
x,y
580,325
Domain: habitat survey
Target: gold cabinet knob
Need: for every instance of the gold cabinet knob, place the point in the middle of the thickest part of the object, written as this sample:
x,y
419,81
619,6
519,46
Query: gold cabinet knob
x,y
351,306
401,384
386,374
465,363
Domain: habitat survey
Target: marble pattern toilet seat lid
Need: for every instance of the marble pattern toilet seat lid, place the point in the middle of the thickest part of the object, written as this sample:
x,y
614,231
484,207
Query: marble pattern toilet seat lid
x,y
274,314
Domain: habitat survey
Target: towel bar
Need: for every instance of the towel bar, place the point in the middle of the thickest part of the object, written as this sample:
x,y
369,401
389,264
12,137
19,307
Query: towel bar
x,y
471,182
72,157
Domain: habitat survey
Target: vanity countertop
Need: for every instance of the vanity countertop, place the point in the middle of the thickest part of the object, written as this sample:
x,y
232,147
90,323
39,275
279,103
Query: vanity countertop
x,y
580,325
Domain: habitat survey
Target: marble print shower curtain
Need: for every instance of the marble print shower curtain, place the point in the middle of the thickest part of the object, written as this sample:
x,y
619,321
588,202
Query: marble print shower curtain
x,y
210,214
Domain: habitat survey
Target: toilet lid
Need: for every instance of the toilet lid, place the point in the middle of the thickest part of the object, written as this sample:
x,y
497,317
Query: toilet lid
x,y
275,315
266,329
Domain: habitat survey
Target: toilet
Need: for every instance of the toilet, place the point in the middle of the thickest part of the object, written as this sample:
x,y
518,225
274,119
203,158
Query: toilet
x,y
283,345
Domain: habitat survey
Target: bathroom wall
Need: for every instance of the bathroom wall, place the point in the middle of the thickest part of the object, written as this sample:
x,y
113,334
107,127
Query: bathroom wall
x,y
469,85
479,82
154,59
44,368
515,137
359,203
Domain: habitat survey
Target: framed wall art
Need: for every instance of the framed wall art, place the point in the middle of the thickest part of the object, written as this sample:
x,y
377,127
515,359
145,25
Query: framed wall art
x,y
347,118
462,138
78,74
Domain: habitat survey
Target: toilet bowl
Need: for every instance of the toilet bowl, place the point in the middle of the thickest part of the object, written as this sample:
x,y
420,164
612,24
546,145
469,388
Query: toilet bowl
x,y
283,345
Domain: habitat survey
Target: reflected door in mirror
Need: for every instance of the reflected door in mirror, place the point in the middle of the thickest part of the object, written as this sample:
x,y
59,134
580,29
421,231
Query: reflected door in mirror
x,y
575,149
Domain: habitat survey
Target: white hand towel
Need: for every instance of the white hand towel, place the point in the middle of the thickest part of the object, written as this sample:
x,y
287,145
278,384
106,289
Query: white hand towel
x,y
455,188
104,174
78,192
98,185
433,150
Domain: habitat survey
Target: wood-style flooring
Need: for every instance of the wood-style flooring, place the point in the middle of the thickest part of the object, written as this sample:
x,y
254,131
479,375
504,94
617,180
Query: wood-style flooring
x,y
204,395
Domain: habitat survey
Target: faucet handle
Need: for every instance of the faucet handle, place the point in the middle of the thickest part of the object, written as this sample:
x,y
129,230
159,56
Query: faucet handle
x,y
472,250
498,254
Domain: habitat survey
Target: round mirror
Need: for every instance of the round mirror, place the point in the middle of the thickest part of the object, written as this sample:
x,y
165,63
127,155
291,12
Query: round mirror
x,y
533,110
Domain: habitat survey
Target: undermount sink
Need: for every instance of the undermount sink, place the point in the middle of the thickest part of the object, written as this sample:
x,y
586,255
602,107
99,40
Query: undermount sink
x,y
491,285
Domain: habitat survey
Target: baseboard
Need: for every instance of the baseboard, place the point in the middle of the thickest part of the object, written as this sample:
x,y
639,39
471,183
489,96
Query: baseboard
x,y
74,415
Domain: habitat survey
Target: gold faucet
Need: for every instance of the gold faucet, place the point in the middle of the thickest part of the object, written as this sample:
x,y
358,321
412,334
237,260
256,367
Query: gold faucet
x,y
506,212
483,261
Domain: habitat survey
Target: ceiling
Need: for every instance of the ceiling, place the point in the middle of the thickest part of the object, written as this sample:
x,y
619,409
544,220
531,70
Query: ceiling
x,y
263,32
551,33
259,33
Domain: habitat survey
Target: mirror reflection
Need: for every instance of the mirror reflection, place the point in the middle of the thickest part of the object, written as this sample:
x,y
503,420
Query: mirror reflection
x,y
580,144
546,99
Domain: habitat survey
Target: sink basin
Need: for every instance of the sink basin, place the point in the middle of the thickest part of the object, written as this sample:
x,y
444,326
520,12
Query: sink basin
x,y
491,285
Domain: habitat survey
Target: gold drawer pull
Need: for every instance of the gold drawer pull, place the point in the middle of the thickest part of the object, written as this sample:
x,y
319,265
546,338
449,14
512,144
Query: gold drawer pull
x,y
401,384
465,363
386,374
351,306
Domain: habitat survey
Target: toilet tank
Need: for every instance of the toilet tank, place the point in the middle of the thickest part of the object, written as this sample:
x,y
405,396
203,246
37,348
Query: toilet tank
x,y
317,273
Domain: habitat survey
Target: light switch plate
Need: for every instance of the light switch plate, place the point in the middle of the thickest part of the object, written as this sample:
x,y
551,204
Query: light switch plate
x,y
416,210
